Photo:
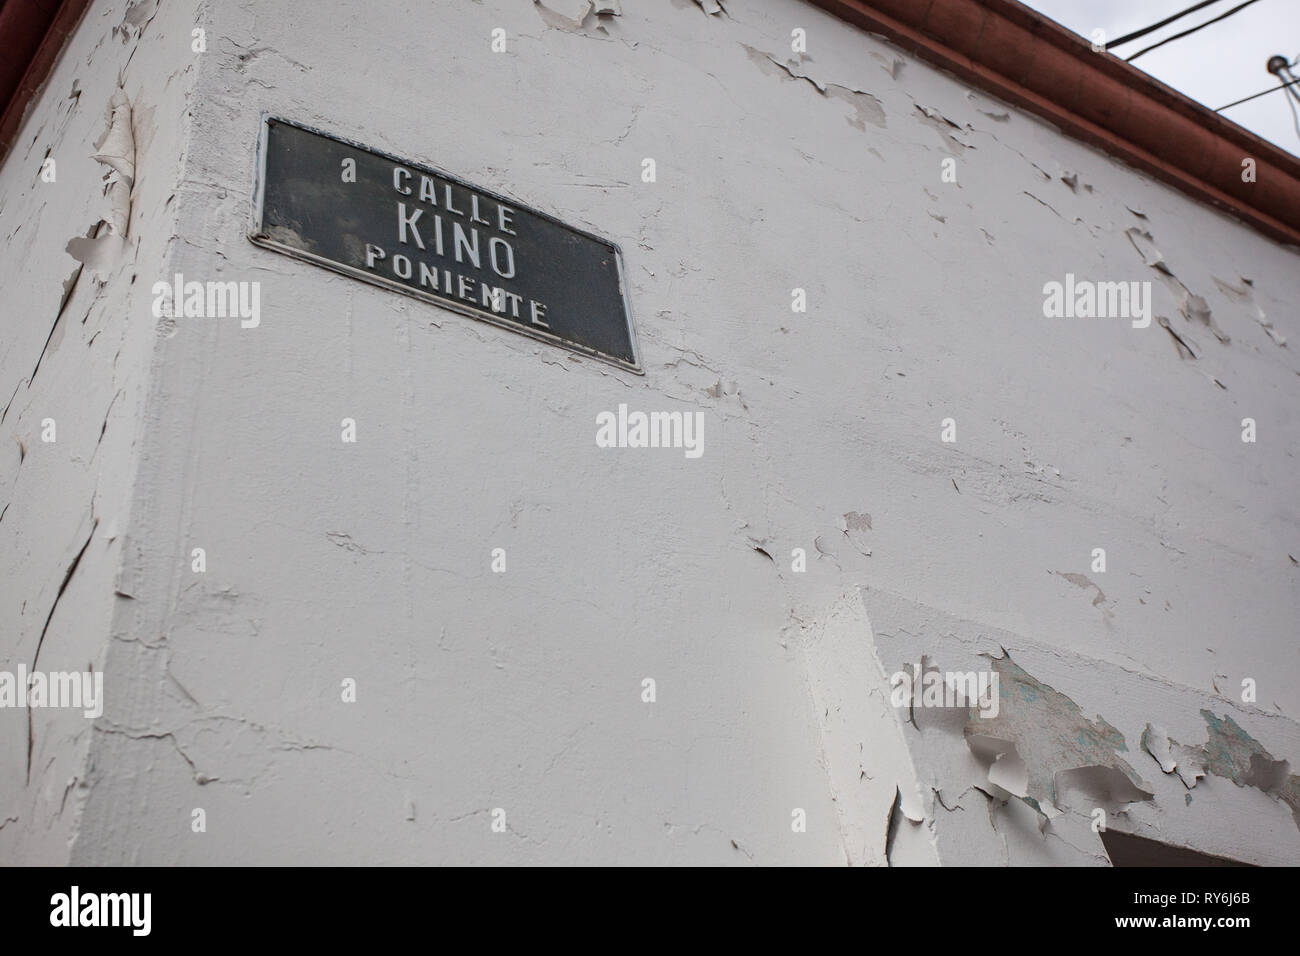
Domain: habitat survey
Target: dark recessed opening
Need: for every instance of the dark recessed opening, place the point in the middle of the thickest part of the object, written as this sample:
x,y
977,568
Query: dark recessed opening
x,y
1127,850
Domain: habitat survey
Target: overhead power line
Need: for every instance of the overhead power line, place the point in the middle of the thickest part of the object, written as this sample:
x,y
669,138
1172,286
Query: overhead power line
x,y
1179,36
1255,96
1295,116
1156,26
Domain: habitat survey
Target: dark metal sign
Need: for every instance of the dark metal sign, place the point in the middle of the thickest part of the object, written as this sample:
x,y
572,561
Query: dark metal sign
x,y
419,231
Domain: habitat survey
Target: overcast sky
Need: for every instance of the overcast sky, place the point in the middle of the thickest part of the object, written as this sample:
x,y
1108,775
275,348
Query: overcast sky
x,y
1214,66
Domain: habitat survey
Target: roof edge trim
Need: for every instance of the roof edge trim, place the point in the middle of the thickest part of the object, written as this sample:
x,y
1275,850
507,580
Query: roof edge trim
x,y
20,26
1032,62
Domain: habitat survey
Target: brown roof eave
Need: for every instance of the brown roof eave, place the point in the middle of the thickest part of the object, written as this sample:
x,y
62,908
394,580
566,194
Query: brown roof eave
x,y
32,35
1036,64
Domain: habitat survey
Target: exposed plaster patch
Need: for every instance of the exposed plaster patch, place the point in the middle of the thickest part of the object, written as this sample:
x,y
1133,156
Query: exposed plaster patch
x,y
1236,755
1229,752
856,521
868,108
1039,729
1083,581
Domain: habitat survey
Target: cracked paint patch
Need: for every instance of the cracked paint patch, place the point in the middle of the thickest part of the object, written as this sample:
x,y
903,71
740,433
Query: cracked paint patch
x,y
1236,755
56,328
1228,752
1186,347
588,16
1193,307
1039,745
944,127
867,108
40,641
1188,762
899,810
1244,295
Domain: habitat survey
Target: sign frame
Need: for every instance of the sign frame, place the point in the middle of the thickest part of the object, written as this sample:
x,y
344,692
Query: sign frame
x,y
258,236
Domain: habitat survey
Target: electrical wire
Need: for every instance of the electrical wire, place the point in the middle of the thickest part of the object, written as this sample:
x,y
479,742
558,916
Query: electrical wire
x,y
1271,89
1255,96
1202,26
1156,26
1295,117
1292,95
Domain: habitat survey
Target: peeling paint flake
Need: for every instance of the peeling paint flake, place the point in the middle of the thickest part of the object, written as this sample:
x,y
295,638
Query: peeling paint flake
x,y
1183,345
1232,753
1228,752
1244,295
944,127
1188,762
1192,307
116,149
1039,745
867,108
557,20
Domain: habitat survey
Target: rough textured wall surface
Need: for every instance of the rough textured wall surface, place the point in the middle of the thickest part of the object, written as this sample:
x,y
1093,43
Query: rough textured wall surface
x,y
80,241
521,691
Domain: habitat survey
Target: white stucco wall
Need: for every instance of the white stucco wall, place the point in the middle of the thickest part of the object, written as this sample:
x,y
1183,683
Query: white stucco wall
x,y
76,353
522,691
